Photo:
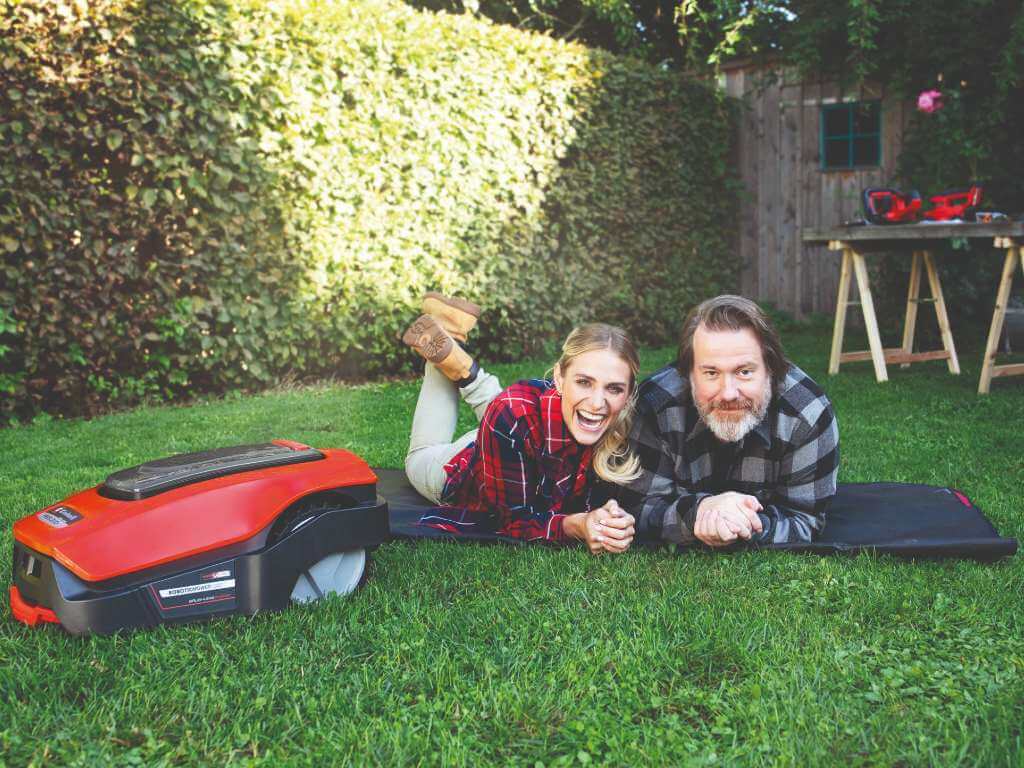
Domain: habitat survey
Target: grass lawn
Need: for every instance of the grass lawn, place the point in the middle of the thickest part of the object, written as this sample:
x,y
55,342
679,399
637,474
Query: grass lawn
x,y
469,655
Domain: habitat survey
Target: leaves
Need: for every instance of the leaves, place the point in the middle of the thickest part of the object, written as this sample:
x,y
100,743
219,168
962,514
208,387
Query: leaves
x,y
213,198
114,139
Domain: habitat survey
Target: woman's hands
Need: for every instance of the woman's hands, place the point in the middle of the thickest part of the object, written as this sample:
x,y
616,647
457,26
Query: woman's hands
x,y
605,529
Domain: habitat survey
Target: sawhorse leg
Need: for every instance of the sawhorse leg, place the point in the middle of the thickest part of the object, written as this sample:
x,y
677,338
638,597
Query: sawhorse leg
x,y
867,306
1014,254
842,302
940,313
853,264
924,258
913,296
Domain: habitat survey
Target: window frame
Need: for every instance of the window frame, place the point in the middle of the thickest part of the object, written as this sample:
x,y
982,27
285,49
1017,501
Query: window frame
x,y
850,136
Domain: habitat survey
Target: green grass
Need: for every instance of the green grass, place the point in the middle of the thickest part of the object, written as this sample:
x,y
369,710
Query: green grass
x,y
470,655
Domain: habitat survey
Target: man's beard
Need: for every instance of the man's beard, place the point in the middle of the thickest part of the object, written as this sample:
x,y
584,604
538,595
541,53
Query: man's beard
x,y
732,430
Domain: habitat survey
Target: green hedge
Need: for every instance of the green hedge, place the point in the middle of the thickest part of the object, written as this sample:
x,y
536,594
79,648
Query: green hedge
x,y
197,196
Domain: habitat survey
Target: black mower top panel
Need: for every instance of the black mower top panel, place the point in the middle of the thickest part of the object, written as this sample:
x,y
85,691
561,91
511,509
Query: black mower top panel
x,y
155,477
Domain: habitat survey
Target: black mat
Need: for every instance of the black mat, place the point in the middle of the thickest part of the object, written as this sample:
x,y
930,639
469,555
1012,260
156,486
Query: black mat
x,y
891,518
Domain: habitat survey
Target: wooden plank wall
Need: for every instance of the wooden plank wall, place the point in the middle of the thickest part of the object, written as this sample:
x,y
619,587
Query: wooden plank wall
x,y
785,189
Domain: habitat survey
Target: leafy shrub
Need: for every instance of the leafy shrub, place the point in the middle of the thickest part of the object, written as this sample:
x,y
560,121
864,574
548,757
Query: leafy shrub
x,y
197,196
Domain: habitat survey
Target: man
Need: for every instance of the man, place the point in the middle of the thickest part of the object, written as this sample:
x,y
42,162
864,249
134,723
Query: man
x,y
736,444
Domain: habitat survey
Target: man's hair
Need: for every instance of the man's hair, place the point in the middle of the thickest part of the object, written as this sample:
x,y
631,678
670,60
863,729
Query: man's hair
x,y
733,313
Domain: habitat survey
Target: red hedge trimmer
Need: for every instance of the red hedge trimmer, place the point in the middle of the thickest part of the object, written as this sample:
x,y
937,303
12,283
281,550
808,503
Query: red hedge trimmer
x,y
955,204
890,206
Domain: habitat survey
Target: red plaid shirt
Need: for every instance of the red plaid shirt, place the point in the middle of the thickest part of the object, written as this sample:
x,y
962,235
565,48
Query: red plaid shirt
x,y
524,473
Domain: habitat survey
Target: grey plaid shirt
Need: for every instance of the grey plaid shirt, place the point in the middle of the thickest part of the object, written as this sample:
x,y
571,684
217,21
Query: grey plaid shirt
x,y
789,461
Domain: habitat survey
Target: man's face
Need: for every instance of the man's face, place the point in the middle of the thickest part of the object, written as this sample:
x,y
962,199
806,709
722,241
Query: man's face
x,y
729,382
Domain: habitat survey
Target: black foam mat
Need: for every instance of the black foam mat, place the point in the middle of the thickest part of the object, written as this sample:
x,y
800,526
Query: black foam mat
x,y
902,519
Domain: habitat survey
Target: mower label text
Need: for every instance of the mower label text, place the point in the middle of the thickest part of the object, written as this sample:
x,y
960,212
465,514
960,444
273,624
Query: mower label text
x,y
210,586
195,593
59,517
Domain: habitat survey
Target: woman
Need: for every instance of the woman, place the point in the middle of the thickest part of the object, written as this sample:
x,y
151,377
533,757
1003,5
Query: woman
x,y
525,472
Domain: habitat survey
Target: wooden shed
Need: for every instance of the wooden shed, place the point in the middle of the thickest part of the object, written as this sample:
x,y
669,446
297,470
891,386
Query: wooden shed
x,y
805,151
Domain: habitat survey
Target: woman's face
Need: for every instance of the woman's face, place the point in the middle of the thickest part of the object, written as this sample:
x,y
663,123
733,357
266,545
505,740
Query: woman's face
x,y
595,388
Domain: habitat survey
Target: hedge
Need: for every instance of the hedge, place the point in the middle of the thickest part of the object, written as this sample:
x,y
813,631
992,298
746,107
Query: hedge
x,y
198,196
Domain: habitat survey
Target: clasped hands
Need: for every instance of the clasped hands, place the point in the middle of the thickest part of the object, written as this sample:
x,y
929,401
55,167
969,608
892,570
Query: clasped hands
x,y
721,520
605,529
727,517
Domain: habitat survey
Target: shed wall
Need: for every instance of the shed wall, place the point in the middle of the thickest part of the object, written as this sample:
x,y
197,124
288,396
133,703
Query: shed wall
x,y
786,189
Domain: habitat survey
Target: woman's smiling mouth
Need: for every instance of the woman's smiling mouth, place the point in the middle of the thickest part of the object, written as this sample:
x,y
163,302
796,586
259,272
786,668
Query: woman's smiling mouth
x,y
589,421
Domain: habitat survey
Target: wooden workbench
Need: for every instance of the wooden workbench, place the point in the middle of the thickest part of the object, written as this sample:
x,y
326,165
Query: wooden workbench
x,y
856,241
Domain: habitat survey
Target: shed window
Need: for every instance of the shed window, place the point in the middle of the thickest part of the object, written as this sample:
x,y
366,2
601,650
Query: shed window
x,y
851,135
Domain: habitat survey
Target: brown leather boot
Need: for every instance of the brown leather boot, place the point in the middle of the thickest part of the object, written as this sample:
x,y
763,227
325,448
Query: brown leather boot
x,y
428,338
456,316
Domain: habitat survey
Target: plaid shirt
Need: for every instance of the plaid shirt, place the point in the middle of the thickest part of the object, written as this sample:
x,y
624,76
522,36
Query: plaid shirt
x,y
789,461
524,473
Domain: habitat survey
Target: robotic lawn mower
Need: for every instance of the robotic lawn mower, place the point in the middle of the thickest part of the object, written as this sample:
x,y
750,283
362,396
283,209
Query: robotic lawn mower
x,y
236,530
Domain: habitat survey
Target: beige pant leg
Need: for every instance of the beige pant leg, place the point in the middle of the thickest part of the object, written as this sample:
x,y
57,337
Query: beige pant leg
x,y
433,427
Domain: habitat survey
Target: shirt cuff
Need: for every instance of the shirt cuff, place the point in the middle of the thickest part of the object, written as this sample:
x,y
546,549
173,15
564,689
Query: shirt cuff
x,y
675,528
767,533
556,532
689,517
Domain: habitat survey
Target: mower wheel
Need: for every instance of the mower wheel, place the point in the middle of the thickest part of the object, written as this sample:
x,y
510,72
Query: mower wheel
x,y
340,573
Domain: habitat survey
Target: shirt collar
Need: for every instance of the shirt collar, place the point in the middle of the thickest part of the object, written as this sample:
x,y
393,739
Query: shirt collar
x,y
557,438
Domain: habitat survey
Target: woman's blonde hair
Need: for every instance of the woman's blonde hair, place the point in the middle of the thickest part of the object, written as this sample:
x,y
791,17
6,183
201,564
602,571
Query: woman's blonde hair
x,y
613,461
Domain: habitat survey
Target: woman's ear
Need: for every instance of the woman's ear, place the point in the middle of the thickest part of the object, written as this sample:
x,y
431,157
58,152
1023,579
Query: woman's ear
x,y
557,371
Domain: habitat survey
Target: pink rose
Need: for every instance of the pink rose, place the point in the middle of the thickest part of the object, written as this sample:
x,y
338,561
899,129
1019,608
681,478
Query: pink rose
x,y
929,101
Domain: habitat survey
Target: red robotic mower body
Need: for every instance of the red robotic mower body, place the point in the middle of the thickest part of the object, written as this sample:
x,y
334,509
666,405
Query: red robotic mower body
x,y
234,530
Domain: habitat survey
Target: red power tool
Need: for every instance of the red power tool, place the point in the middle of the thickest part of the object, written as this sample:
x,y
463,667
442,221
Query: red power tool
x,y
955,204
890,206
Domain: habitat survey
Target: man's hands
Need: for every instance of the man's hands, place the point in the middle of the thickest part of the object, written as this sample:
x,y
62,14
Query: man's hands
x,y
724,518
721,521
605,529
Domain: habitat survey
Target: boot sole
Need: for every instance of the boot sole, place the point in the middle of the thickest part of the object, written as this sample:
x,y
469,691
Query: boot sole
x,y
428,338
